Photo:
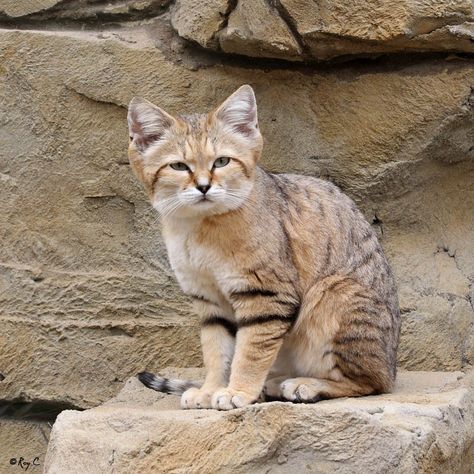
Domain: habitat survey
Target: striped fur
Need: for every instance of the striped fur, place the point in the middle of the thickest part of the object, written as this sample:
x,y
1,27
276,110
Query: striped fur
x,y
296,298
166,385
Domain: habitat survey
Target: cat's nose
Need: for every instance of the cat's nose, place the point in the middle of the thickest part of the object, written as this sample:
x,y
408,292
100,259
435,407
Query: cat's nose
x,y
203,188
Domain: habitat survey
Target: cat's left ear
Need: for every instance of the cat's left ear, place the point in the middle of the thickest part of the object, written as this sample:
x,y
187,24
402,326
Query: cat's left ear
x,y
147,123
238,113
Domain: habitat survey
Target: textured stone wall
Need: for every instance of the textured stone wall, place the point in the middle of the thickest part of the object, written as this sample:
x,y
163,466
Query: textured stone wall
x,y
87,298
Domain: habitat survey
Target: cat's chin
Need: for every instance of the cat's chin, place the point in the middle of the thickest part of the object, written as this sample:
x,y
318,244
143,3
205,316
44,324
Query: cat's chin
x,y
200,209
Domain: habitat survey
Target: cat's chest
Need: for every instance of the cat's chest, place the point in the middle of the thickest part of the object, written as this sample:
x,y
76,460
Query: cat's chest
x,y
187,255
197,265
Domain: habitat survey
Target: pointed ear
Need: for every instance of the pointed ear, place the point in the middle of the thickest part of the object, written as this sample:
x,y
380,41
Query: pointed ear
x,y
147,123
239,113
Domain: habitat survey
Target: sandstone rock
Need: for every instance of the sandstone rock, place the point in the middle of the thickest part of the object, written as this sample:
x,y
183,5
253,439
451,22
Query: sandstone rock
x,y
17,8
335,28
80,362
255,28
87,297
426,426
298,29
57,11
199,20
289,29
22,442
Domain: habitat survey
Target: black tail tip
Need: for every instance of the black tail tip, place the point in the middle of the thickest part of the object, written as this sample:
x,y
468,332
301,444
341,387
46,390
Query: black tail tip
x,y
146,378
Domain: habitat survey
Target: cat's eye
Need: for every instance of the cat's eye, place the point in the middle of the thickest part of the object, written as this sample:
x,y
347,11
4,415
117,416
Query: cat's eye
x,y
179,166
222,161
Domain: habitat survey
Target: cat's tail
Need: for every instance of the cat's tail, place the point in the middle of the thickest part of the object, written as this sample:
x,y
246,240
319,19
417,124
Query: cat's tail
x,y
163,384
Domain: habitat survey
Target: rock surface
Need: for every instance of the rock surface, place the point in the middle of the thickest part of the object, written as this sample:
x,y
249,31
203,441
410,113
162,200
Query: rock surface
x,y
199,21
334,28
18,8
294,30
23,445
85,11
309,30
426,426
255,28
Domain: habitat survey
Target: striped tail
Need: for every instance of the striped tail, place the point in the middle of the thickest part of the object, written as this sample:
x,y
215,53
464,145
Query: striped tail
x,y
162,384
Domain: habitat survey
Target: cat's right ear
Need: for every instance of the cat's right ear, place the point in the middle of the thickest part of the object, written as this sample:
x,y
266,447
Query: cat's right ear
x,y
147,123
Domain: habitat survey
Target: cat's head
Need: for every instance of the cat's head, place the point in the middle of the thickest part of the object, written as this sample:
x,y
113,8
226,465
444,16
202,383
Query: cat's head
x,y
198,164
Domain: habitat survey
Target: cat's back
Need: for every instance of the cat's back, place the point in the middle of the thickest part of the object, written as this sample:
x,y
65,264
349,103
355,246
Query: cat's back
x,y
303,190
319,205
330,235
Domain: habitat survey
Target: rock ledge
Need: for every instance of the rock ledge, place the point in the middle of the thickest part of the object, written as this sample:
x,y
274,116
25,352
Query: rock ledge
x,y
426,425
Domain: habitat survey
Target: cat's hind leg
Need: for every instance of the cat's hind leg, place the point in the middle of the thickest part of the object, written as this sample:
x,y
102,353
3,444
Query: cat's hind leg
x,y
342,343
311,390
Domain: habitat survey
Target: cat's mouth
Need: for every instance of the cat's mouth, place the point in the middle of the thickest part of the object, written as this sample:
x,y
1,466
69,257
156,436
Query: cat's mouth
x,y
203,200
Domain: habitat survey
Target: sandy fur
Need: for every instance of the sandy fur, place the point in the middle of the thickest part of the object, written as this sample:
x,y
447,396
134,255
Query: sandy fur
x,y
289,279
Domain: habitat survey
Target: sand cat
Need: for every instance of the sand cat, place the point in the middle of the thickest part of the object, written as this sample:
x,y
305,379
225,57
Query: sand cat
x,y
296,299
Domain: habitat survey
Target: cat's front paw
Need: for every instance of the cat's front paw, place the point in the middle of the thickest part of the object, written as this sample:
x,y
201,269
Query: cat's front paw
x,y
196,398
228,399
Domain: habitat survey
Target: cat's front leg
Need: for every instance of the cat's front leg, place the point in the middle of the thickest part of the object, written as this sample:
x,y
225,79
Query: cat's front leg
x,y
258,341
218,341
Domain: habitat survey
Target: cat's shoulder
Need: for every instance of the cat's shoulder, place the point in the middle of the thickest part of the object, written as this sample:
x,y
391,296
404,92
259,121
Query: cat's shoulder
x,y
301,183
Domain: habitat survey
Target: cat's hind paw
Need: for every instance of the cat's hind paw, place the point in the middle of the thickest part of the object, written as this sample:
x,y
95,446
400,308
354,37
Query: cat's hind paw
x,y
227,399
301,390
